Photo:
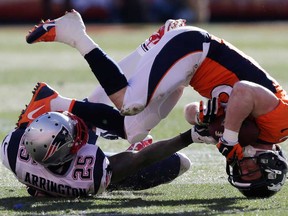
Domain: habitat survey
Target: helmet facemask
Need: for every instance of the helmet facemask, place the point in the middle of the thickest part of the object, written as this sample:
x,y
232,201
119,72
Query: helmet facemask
x,y
265,179
80,137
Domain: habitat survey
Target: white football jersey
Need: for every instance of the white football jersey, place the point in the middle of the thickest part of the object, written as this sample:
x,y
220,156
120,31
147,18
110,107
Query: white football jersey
x,y
87,174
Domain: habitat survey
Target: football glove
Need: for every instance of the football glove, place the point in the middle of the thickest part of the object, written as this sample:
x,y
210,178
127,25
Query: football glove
x,y
200,134
230,151
209,113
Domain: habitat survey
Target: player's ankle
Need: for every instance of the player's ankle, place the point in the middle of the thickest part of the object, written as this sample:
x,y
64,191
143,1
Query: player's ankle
x,y
85,45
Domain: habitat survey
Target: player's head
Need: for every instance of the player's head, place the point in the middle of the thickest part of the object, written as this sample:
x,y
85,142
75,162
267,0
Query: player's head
x,y
261,173
54,137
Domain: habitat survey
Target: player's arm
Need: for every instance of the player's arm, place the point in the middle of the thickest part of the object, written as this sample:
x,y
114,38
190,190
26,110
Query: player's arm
x,y
127,163
10,147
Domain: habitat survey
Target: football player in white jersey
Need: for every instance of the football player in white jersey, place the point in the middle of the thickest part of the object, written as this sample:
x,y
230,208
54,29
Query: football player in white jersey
x,y
55,153
135,129
157,71
54,157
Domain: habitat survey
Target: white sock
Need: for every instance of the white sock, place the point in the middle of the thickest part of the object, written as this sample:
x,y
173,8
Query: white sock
x,y
61,103
85,45
230,136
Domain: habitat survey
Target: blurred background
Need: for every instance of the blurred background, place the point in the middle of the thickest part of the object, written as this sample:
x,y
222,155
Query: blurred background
x,y
145,11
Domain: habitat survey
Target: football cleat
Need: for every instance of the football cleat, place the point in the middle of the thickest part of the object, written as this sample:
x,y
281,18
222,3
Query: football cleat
x,y
156,36
67,29
39,104
142,144
43,32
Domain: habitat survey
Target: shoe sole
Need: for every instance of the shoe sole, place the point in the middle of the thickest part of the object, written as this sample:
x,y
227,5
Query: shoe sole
x,y
40,31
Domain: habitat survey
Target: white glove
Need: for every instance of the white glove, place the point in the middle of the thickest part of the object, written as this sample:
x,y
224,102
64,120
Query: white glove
x,y
200,134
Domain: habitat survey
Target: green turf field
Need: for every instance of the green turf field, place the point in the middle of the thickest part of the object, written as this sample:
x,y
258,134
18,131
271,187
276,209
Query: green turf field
x,y
203,190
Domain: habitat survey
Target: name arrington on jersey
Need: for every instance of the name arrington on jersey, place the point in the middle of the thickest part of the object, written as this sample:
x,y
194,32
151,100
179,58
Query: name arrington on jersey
x,y
50,186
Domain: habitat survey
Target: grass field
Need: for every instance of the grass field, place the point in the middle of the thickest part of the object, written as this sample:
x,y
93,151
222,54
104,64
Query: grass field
x,y
203,190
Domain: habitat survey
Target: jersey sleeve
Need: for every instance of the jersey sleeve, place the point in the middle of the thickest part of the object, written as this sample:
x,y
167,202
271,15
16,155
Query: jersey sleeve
x,y
9,149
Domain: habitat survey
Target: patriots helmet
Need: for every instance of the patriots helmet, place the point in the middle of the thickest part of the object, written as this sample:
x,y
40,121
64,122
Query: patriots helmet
x,y
271,166
54,137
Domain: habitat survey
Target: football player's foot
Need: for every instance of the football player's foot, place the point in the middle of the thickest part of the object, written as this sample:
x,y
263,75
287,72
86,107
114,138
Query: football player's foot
x,y
140,145
39,104
67,29
156,36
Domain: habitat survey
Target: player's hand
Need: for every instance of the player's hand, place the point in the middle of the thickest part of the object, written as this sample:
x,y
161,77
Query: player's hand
x,y
200,134
209,113
230,151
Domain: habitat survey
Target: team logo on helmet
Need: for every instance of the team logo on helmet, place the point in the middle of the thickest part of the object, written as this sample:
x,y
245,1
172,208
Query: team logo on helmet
x,y
60,139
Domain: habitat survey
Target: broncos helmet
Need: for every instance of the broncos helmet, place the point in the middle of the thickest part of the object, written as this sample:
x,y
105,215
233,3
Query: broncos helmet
x,y
273,167
54,137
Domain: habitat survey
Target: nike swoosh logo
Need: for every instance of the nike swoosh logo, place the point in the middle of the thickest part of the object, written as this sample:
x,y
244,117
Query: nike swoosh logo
x,y
282,131
30,115
47,25
224,149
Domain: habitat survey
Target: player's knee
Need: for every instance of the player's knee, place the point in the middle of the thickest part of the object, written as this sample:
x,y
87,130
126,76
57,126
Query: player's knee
x,y
132,106
138,127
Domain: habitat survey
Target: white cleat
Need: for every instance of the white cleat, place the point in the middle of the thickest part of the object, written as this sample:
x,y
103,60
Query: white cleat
x,y
70,28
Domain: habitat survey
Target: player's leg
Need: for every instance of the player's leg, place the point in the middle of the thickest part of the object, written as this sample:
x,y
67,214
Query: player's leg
x,y
70,29
97,59
146,74
129,63
126,163
246,99
169,65
138,126
128,66
46,99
